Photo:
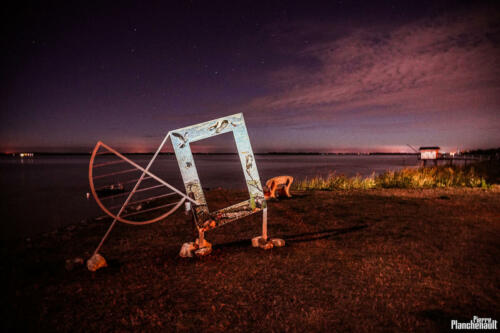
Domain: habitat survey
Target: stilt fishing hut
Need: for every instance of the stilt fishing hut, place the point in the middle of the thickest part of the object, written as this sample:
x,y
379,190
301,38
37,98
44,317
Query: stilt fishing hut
x,y
429,154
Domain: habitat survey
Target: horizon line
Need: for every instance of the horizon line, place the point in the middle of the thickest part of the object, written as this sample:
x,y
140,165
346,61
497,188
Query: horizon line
x,y
235,153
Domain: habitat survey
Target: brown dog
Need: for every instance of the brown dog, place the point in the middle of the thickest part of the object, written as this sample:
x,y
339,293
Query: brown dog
x,y
274,183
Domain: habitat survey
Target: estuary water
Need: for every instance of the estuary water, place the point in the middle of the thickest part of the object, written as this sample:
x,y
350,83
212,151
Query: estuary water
x,y
43,193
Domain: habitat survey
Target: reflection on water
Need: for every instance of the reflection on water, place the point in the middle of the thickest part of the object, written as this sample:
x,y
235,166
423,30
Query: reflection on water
x,y
42,193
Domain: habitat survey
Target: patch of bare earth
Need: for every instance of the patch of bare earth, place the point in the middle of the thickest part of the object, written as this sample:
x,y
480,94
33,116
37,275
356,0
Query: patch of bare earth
x,y
374,260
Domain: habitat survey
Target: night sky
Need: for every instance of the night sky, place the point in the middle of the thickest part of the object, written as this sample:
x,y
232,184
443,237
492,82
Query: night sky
x,y
347,76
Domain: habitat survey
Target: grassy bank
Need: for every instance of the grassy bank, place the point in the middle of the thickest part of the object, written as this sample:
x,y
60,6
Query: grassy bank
x,y
384,260
477,175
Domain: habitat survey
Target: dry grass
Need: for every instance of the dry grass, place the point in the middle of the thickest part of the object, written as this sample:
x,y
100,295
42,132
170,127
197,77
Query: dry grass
x,y
478,175
379,260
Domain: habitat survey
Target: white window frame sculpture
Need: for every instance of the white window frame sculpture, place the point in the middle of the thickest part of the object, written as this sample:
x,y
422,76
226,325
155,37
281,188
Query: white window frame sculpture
x,y
181,140
204,219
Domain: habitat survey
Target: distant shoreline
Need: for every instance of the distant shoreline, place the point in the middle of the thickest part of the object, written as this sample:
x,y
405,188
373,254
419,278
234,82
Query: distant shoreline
x,y
487,151
270,153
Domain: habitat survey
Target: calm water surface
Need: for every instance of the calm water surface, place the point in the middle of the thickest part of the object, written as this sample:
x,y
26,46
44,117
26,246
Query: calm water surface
x,y
42,193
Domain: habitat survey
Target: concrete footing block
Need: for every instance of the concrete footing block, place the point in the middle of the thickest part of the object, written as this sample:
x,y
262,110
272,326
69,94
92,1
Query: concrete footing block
x,y
267,244
278,242
256,240
187,250
204,249
194,248
95,262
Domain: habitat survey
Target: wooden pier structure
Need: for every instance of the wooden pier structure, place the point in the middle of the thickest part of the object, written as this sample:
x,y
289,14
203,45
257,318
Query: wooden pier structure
x,y
448,160
432,155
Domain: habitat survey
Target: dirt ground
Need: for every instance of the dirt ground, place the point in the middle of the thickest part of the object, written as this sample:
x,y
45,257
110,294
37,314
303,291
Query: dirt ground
x,y
373,260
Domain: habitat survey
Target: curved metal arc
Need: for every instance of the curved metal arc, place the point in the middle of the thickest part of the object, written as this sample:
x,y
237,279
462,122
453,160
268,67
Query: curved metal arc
x,y
117,216
159,217
142,211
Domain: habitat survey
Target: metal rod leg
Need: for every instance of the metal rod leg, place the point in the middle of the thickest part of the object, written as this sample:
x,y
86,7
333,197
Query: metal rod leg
x,y
264,223
105,236
201,237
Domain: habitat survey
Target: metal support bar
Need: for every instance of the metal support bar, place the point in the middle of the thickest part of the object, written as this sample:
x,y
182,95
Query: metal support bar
x,y
115,173
201,237
107,163
144,200
123,194
123,183
150,209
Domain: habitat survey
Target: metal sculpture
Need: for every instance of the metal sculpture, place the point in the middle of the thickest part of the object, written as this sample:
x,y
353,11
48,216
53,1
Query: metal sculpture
x,y
194,198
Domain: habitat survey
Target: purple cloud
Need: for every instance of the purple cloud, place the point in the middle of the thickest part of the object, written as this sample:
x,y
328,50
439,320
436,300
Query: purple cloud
x,y
439,73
